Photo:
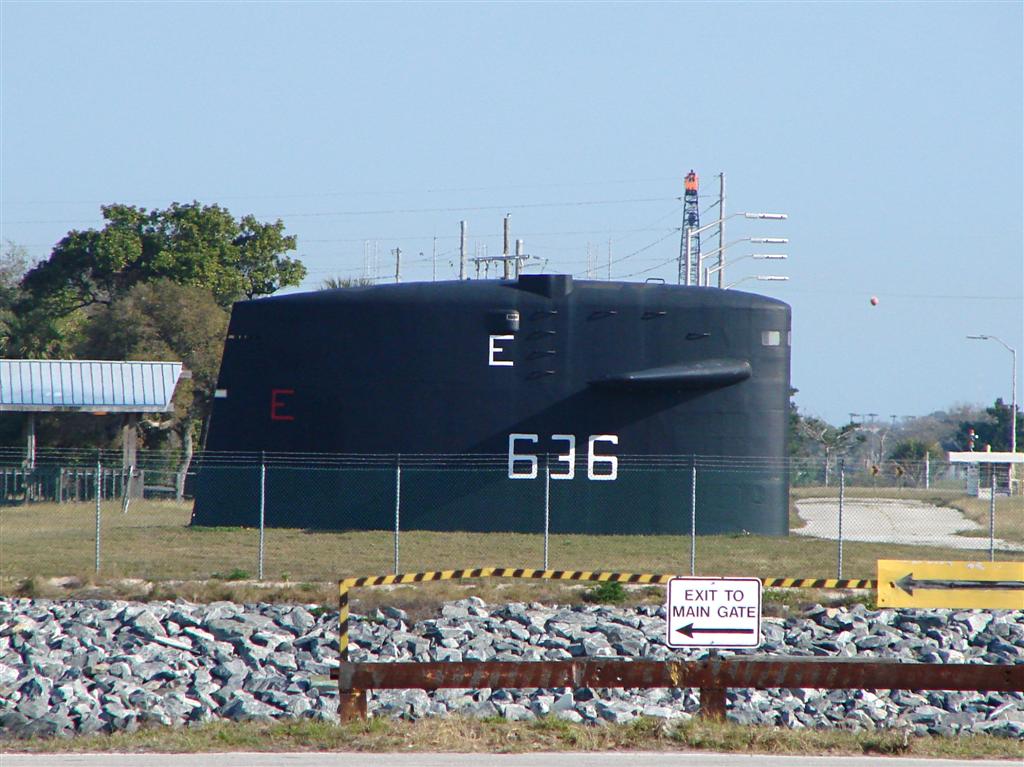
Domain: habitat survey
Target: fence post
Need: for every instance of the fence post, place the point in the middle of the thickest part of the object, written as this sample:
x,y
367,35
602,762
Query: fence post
x,y
992,513
693,515
842,498
398,505
99,469
927,472
263,510
547,506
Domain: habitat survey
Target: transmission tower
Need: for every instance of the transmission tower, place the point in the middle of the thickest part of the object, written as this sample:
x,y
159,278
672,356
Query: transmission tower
x,y
691,221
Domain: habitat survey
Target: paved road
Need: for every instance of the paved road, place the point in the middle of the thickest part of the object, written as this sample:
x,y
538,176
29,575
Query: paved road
x,y
893,520
617,759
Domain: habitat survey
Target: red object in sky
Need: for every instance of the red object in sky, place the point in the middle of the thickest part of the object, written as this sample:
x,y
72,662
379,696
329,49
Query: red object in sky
x,y
874,300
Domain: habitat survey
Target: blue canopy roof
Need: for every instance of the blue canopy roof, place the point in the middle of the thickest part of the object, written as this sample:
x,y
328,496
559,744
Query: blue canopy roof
x,y
87,386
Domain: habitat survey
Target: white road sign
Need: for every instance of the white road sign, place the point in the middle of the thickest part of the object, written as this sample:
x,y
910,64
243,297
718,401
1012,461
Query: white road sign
x,y
714,612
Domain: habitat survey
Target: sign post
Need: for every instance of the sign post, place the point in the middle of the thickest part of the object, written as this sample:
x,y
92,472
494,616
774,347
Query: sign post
x,y
714,612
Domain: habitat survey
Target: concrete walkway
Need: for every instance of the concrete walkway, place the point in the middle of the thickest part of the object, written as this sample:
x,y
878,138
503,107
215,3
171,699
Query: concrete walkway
x,y
893,520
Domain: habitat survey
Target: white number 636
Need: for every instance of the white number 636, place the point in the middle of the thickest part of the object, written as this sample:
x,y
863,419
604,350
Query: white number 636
x,y
524,465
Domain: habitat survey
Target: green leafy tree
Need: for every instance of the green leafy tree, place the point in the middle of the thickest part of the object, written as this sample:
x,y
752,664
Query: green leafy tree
x,y
189,244
992,430
260,264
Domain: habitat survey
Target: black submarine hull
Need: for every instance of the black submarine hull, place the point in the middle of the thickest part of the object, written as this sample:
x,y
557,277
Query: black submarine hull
x,y
491,393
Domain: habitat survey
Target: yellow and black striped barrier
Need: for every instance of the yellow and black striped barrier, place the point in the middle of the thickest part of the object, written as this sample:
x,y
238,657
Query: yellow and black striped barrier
x,y
555,575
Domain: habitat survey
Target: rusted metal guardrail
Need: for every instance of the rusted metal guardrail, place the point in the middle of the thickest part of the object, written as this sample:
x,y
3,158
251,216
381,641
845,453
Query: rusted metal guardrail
x,y
354,679
713,676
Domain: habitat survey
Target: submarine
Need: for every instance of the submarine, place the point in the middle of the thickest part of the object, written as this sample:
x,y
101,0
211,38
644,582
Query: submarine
x,y
495,396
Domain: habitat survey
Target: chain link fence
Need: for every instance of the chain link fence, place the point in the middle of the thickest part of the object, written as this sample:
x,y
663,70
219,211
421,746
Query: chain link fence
x,y
288,518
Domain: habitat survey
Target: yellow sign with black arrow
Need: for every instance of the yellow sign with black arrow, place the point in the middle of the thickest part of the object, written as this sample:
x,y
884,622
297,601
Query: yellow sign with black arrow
x,y
914,583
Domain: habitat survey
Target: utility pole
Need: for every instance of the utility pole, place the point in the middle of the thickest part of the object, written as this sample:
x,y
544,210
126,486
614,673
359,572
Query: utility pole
x,y
519,257
721,229
398,264
504,250
462,250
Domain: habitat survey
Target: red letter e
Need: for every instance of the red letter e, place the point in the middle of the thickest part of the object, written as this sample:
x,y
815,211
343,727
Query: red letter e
x,y
276,404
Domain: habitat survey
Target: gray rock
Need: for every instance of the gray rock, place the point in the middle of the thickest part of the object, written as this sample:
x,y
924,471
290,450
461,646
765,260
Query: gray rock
x,y
615,712
569,715
516,713
245,708
68,667
298,621
147,624
395,614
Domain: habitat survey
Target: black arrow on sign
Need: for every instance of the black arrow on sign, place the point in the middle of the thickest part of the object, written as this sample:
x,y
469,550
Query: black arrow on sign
x,y
908,583
689,630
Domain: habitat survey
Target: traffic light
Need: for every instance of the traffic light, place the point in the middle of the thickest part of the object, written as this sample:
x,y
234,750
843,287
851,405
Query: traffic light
x,y
971,436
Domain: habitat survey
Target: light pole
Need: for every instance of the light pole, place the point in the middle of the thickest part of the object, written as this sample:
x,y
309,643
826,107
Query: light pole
x,y
757,256
689,234
1013,386
720,252
761,277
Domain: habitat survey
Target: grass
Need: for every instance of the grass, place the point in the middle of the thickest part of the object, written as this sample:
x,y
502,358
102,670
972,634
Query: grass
x,y
458,734
420,601
609,593
154,542
152,553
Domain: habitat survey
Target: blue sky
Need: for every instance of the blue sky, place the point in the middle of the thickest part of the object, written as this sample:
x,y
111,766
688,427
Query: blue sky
x,y
890,133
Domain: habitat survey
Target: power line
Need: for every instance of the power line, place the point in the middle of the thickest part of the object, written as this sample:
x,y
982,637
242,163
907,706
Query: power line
x,y
641,250
412,237
403,211
366,192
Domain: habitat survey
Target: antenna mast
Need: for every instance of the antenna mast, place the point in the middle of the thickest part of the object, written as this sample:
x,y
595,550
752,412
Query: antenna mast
x,y
689,248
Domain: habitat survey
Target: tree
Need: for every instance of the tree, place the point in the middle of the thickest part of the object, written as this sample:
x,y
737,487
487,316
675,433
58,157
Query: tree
x,y
260,263
909,456
13,263
940,427
190,244
831,439
163,320
333,283
993,429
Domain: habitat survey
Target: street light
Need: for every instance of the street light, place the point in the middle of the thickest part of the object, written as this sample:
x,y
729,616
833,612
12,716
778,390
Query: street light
x,y
720,252
688,234
761,277
757,256
1013,387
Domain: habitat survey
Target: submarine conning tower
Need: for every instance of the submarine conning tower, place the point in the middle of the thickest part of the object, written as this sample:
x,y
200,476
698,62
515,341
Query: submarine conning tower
x,y
604,379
